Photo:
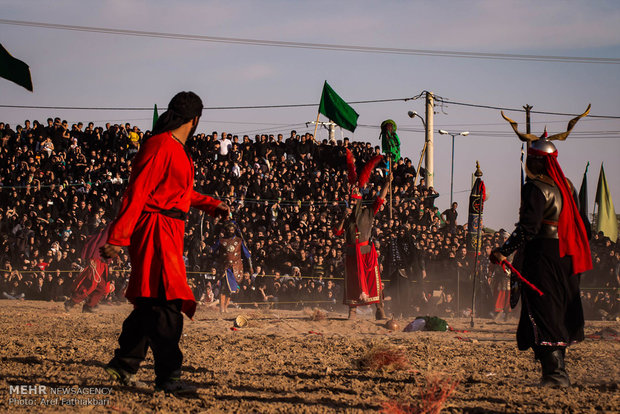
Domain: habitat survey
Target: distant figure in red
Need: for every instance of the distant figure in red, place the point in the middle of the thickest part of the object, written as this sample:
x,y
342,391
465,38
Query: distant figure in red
x,y
151,222
92,284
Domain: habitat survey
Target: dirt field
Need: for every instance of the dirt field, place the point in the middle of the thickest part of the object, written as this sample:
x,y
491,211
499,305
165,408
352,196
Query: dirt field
x,y
285,362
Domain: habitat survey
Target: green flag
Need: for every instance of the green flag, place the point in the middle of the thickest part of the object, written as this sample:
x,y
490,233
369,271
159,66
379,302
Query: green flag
x,y
155,116
606,221
583,194
14,69
337,110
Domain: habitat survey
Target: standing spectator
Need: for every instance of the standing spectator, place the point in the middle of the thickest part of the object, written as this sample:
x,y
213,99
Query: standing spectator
x,y
225,146
450,215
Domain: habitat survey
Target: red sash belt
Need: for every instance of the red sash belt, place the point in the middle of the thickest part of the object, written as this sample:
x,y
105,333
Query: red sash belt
x,y
173,213
361,244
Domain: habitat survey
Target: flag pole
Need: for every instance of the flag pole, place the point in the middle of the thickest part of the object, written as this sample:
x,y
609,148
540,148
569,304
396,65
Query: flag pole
x,y
390,184
478,243
480,195
316,125
417,172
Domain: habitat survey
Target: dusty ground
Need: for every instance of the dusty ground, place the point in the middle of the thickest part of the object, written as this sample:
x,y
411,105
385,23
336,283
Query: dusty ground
x,y
284,362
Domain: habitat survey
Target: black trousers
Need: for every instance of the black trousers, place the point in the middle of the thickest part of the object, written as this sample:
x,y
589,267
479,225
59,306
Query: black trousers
x,y
556,318
155,323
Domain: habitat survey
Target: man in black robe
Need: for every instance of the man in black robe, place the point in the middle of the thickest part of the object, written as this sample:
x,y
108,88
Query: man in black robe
x,y
405,267
556,250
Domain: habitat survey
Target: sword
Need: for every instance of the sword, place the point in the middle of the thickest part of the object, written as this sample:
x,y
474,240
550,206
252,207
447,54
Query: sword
x,y
516,272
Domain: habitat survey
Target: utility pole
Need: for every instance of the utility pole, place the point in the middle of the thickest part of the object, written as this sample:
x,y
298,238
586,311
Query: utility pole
x,y
330,125
430,125
527,108
332,131
528,130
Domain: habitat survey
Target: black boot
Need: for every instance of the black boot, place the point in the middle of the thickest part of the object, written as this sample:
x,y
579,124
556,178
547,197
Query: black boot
x,y
175,386
553,369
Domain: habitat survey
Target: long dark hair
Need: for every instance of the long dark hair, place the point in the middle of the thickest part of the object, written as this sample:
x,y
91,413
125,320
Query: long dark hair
x,y
183,107
168,121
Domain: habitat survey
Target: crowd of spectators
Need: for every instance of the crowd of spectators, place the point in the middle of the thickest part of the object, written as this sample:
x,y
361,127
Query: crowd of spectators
x,y
59,184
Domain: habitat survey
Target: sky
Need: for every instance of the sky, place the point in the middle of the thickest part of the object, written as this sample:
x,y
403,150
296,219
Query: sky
x,y
100,70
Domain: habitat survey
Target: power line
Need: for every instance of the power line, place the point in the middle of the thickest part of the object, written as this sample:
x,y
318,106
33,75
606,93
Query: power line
x,y
503,123
277,128
446,101
274,129
508,134
438,99
211,108
318,46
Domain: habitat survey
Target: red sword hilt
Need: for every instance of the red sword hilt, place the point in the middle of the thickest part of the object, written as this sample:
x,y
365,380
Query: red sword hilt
x,y
516,272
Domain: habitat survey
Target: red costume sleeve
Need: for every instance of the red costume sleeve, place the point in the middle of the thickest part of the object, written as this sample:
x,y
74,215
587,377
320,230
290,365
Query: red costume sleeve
x,y
378,203
204,202
146,173
338,232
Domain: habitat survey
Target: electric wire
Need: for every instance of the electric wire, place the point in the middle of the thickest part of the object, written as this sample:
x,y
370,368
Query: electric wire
x,y
234,107
211,108
318,46
446,101
440,101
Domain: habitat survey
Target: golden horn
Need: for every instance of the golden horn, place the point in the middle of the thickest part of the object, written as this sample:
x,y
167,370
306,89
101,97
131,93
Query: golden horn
x,y
563,135
523,137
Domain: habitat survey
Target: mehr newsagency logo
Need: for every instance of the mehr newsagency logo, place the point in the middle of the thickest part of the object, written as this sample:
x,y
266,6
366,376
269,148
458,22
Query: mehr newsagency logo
x,y
37,394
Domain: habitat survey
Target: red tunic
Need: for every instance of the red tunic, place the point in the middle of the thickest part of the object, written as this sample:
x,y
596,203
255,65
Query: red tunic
x,y
362,278
162,178
362,284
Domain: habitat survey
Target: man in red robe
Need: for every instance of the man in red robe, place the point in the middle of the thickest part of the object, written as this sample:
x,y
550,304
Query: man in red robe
x,y
151,222
362,284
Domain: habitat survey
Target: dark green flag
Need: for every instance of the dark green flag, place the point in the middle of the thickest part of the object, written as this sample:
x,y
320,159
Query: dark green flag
x,y
337,110
583,194
390,143
155,116
14,69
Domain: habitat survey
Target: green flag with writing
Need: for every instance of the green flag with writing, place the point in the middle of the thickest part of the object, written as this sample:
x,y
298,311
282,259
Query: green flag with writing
x,y
14,69
606,221
337,110
390,143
